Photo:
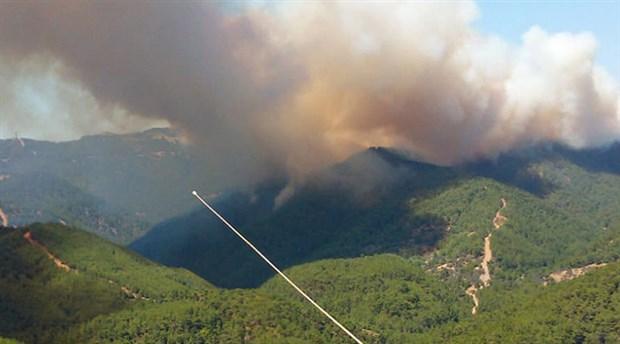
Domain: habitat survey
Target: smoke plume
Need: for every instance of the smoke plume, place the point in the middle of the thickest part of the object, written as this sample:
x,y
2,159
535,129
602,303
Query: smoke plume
x,y
299,85
38,103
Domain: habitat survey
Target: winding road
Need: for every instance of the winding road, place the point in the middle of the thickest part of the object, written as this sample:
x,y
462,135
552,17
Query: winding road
x,y
59,263
471,291
499,220
485,278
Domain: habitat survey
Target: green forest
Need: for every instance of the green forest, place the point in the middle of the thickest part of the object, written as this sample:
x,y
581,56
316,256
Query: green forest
x,y
404,253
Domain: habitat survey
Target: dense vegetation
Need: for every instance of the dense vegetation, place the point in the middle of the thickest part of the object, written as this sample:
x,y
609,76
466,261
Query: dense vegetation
x,y
536,238
41,197
39,299
379,201
382,298
355,208
8,341
116,186
585,310
398,306
386,244
387,297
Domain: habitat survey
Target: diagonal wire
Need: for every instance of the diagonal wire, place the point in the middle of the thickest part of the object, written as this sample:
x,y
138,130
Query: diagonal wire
x,y
275,268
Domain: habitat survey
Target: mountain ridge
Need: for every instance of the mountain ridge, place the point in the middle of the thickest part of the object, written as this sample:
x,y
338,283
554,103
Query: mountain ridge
x,y
375,188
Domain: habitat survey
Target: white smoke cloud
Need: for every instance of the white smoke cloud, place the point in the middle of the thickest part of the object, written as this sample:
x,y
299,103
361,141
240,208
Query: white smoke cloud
x,y
39,103
301,84
401,75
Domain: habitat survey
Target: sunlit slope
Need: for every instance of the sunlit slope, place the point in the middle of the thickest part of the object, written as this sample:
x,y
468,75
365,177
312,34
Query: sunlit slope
x,y
534,237
383,299
388,296
560,211
62,285
584,310
583,182
53,277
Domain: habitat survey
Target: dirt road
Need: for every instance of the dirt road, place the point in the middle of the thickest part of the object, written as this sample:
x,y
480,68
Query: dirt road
x,y
567,275
499,220
59,263
471,291
485,278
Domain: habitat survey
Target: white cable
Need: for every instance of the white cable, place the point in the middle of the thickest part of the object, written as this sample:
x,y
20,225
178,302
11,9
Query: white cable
x,y
275,268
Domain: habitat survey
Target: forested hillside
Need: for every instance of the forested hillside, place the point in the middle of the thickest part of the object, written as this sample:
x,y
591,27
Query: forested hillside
x,y
42,197
309,172
53,277
116,186
90,291
584,310
523,249
381,201
355,208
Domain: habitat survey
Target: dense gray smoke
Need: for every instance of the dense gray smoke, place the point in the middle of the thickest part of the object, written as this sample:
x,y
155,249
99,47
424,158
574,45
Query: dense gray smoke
x,y
37,102
299,85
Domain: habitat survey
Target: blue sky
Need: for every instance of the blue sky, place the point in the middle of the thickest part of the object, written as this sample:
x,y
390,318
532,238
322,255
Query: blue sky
x,y
510,19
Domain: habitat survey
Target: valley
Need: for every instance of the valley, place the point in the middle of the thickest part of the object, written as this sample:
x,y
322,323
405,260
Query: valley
x,y
383,298
404,252
377,172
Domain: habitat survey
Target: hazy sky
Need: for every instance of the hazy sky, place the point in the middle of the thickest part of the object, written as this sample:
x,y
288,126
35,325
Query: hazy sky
x,y
510,19
47,104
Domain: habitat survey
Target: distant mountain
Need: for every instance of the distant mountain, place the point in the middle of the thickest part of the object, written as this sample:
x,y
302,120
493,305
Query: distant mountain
x,y
114,185
524,248
43,197
562,204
